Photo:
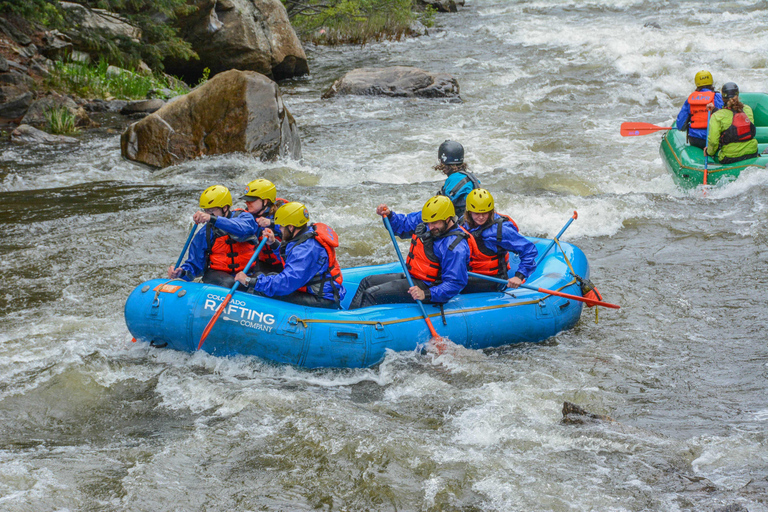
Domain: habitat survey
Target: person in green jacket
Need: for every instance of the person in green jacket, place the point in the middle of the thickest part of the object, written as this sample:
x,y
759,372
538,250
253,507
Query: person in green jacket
x,y
731,129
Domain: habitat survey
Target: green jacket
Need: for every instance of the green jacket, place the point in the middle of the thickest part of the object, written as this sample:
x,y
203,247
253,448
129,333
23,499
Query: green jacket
x,y
718,123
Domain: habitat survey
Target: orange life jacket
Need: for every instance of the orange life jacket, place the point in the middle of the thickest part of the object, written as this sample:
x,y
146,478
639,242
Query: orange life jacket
x,y
484,261
422,263
327,237
266,255
698,100
226,253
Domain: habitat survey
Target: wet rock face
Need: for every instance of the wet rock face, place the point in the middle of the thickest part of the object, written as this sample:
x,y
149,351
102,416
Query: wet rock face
x,y
235,111
253,35
396,81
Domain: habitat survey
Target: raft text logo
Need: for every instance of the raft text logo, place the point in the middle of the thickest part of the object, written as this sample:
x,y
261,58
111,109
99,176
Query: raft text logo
x,y
246,317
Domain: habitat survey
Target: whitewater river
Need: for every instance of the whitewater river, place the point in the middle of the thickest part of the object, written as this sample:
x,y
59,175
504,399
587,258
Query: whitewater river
x,y
91,421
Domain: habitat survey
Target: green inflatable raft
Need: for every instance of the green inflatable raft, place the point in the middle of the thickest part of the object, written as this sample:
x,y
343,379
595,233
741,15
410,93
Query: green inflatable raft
x,y
686,162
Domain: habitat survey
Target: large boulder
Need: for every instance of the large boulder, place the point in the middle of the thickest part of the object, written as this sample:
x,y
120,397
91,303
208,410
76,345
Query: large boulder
x,y
397,81
253,35
235,111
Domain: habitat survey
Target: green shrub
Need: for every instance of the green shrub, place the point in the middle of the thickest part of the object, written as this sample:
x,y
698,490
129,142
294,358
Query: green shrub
x,y
60,121
89,81
350,21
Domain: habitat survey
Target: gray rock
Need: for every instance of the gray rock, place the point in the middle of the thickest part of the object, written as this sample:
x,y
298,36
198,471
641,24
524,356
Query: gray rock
x,y
142,106
253,35
235,111
37,111
14,78
3,64
397,81
101,20
11,31
26,134
56,46
16,106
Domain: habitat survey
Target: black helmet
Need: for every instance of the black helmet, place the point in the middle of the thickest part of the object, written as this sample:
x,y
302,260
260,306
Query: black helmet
x,y
450,153
730,90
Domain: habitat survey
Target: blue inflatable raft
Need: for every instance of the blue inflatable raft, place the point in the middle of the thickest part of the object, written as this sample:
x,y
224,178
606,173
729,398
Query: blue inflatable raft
x,y
173,314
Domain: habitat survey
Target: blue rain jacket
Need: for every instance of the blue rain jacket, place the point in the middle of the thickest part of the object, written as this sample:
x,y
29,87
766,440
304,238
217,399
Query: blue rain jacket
x,y
302,263
240,227
458,193
453,264
512,241
685,113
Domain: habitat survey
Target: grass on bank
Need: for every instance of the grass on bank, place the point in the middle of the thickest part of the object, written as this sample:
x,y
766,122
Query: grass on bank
x,y
93,81
60,121
355,21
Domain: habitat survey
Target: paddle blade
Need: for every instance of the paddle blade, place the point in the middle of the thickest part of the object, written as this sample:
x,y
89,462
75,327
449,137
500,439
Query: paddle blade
x,y
634,129
213,319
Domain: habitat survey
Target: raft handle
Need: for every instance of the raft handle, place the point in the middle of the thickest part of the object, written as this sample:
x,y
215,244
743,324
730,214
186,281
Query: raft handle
x,y
563,306
347,334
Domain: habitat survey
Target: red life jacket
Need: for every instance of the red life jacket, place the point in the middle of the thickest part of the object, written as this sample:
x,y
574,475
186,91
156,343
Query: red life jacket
x,y
327,237
224,252
422,263
484,261
266,255
698,100
741,130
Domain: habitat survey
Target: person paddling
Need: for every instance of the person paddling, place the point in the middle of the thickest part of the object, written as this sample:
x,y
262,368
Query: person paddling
x,y
493,237
460,182
693,115
224,247
261,201
732,129
437,260
311,276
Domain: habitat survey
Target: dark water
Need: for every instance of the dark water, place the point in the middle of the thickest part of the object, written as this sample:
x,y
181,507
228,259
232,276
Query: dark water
x,y
89,421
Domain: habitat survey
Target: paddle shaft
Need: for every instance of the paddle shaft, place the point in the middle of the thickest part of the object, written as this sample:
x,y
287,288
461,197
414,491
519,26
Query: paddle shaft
x,y
186,245
585,300
224,303
635,129
552,243
706,158
407,275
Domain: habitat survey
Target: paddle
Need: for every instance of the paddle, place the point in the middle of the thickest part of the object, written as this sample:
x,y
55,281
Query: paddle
x,y
229,295
541,256
706,158
186,245
591,302
407,275
633,129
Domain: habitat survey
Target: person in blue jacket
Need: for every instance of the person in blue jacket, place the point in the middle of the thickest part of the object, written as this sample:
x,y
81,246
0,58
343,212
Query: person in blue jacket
x,y
460,182
693,114
437,260
221,248
493,237
311,276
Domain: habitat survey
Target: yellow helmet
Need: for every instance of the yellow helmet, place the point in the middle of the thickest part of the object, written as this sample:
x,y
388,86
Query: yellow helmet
x,y
437,208
703,78
260,189
217,196
292,214
480,201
